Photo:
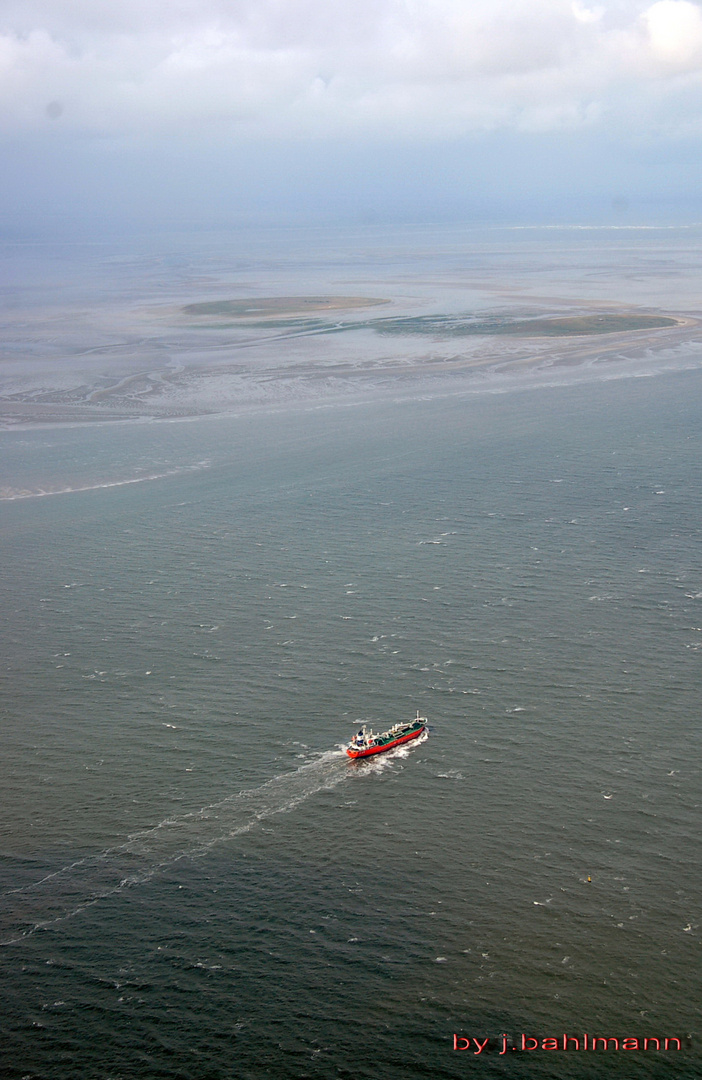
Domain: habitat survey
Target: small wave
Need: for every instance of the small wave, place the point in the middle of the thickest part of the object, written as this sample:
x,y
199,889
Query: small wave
x,y
441,539
13,494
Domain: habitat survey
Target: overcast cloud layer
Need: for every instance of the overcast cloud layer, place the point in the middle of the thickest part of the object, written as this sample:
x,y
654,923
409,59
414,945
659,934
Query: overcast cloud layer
x,y
409,107
310,67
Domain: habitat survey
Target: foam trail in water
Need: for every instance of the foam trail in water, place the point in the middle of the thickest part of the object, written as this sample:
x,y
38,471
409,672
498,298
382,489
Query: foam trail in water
x,y
82,883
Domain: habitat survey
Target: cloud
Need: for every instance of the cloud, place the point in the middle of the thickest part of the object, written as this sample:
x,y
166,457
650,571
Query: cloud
x,y
675,33
307,68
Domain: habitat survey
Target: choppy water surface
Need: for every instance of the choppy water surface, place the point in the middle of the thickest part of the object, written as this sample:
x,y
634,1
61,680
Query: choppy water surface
x,y
198,884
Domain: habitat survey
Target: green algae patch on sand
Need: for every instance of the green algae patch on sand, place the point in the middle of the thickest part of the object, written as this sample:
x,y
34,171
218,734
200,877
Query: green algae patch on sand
x,y
570,326
277,306
587,324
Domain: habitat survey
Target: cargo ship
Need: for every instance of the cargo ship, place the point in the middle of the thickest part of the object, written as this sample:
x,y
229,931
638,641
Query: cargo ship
x,y
366,743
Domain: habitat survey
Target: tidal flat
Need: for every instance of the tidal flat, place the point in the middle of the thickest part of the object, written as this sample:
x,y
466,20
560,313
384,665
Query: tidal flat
x,y
176,328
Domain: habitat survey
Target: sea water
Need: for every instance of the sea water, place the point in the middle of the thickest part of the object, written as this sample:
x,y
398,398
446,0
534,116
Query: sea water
x,y
197,882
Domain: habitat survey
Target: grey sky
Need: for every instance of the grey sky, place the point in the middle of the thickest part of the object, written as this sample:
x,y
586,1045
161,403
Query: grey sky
x,y
207,108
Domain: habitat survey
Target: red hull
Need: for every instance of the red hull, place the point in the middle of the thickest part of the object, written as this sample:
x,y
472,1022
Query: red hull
x,y
369,751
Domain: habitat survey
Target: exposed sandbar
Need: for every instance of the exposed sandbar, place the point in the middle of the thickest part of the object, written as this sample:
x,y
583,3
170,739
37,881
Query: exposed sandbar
x,y
272,306
569,326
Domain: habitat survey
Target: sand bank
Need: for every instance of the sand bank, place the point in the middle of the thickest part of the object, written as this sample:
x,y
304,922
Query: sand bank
x,y
221,356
